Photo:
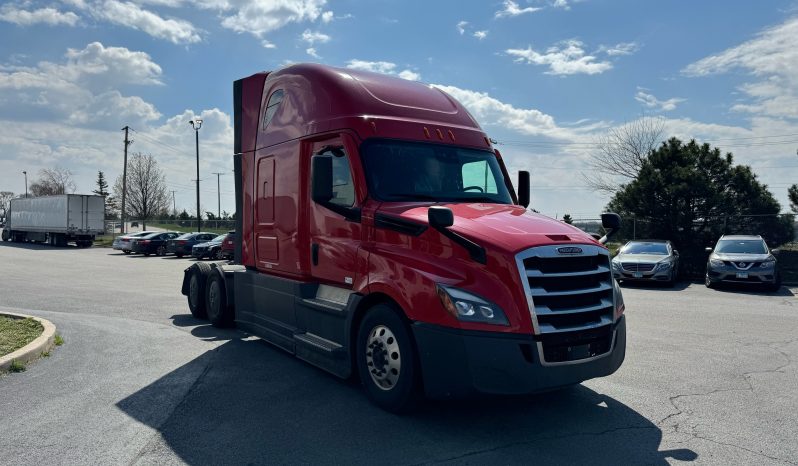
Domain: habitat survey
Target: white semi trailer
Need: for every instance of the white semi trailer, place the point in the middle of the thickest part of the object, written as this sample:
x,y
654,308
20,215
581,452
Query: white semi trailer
x,y
56,220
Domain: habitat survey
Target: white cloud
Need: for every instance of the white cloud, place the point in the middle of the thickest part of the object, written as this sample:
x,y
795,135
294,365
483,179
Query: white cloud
x,y
650,101
130,15
511,8
623,48
773,57
312,37
267,45
312,52
83,89
566,58
51,16
260,17
481,34
383,67
461,27
561,4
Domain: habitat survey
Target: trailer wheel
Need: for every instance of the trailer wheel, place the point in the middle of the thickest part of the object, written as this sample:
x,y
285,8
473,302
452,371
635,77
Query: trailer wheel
x,y
386,360
6,235
196,289
220,313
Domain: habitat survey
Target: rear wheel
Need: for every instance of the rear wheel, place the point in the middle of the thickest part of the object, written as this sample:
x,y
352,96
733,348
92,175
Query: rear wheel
x,y
178,255
220,313
196,289
386,360
6,235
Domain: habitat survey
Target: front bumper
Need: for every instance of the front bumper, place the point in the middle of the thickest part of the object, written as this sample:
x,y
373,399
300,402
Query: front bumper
x,y
729,274
659,276
458,364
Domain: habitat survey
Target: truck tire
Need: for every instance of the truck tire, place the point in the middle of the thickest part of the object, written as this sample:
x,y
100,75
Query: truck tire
x,y
196,289
386,360
220,313
6,235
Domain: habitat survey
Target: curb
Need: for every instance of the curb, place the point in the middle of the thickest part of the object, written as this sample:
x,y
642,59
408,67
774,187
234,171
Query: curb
x,y
32,350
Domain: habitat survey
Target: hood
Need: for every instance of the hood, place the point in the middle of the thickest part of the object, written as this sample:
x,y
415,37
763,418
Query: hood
x,y
741,257
641,258
510,227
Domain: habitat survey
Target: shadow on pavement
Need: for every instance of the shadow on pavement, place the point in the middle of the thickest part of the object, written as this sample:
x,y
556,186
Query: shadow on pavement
x,y
249,402
38,246
659,286
752,289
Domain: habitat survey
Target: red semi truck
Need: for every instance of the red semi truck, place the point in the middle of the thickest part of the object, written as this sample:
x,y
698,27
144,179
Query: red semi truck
x,y
379,236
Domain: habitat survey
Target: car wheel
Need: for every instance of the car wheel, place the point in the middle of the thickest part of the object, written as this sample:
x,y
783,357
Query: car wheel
x,y
146,254
672,280
219,312
126,252
386,360
179,256
776,285
161,251
217,255
709,283
196,289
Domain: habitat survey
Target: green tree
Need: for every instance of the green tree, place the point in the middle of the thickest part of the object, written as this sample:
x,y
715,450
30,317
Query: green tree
x,y
110,200
691,194
567,219
792,193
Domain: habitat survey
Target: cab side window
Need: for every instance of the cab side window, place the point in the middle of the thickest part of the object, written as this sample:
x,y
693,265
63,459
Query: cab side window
x,y
272,106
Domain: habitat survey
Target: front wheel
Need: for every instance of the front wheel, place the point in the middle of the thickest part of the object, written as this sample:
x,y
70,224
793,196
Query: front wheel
x,y
709,283
220,313
386,360
125,251
161,251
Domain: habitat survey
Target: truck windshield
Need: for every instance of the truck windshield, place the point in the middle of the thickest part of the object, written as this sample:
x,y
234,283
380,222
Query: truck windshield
x,y
412,171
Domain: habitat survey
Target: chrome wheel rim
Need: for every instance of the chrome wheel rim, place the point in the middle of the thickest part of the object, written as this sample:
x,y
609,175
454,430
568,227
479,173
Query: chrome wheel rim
x,y
383,357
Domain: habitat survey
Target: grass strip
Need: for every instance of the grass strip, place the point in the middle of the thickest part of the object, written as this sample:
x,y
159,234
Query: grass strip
x,y
16,333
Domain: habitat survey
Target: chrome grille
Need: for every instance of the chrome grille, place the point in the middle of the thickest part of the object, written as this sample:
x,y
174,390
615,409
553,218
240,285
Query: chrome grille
x,y
569,295
637,267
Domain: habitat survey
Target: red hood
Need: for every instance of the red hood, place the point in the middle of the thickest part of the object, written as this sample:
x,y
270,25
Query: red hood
x,y
509,227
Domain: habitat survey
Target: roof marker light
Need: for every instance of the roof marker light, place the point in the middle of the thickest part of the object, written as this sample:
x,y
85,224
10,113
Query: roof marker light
x,y
451,135
440,134
426,132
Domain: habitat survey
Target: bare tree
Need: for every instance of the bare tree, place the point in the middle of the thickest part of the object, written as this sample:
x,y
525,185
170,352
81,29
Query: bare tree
x,y
146,189
621,152
5,198
53,181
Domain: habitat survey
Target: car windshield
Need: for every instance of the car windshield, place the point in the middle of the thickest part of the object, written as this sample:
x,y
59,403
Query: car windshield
x,y
219,238
741,246
410,171
645,248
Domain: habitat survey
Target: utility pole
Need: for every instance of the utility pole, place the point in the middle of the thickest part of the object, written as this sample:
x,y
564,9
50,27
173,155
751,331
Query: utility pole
x,y
174,204
124,181
218,198
24,172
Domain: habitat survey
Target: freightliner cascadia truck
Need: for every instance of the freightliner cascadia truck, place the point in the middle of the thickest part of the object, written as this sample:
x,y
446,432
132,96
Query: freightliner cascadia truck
x,y
380,237
56,220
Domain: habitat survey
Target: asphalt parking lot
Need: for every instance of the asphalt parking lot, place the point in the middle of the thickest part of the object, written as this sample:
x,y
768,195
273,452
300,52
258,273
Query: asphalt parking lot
x,y
709,378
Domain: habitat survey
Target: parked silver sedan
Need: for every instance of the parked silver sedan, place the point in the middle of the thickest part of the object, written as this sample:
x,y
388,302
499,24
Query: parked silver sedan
x,y
646,260
124,243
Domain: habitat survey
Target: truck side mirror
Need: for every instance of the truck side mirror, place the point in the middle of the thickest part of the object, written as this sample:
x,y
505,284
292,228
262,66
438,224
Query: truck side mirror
x,y
321,173
523,188
612,223
440,217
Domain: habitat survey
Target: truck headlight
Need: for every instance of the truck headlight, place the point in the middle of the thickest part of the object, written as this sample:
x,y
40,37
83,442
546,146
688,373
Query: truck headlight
x,y
467,307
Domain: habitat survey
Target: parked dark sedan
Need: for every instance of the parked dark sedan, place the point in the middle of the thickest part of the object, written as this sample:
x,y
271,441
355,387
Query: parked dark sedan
x,y
212,249
181,246
154,243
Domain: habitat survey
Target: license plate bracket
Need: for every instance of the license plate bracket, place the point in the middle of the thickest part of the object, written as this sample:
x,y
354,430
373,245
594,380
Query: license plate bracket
x,y
742,274
637,275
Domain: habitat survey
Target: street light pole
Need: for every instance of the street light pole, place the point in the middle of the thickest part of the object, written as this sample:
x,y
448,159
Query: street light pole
x,y
196,123
26,182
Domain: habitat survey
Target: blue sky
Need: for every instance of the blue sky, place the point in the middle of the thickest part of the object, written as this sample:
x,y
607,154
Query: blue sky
x,y
545,78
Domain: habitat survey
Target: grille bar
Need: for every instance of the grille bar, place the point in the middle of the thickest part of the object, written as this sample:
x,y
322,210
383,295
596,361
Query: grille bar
x,y
570,295
637,267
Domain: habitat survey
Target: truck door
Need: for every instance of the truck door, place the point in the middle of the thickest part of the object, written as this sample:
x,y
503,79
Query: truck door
x,y
334,239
